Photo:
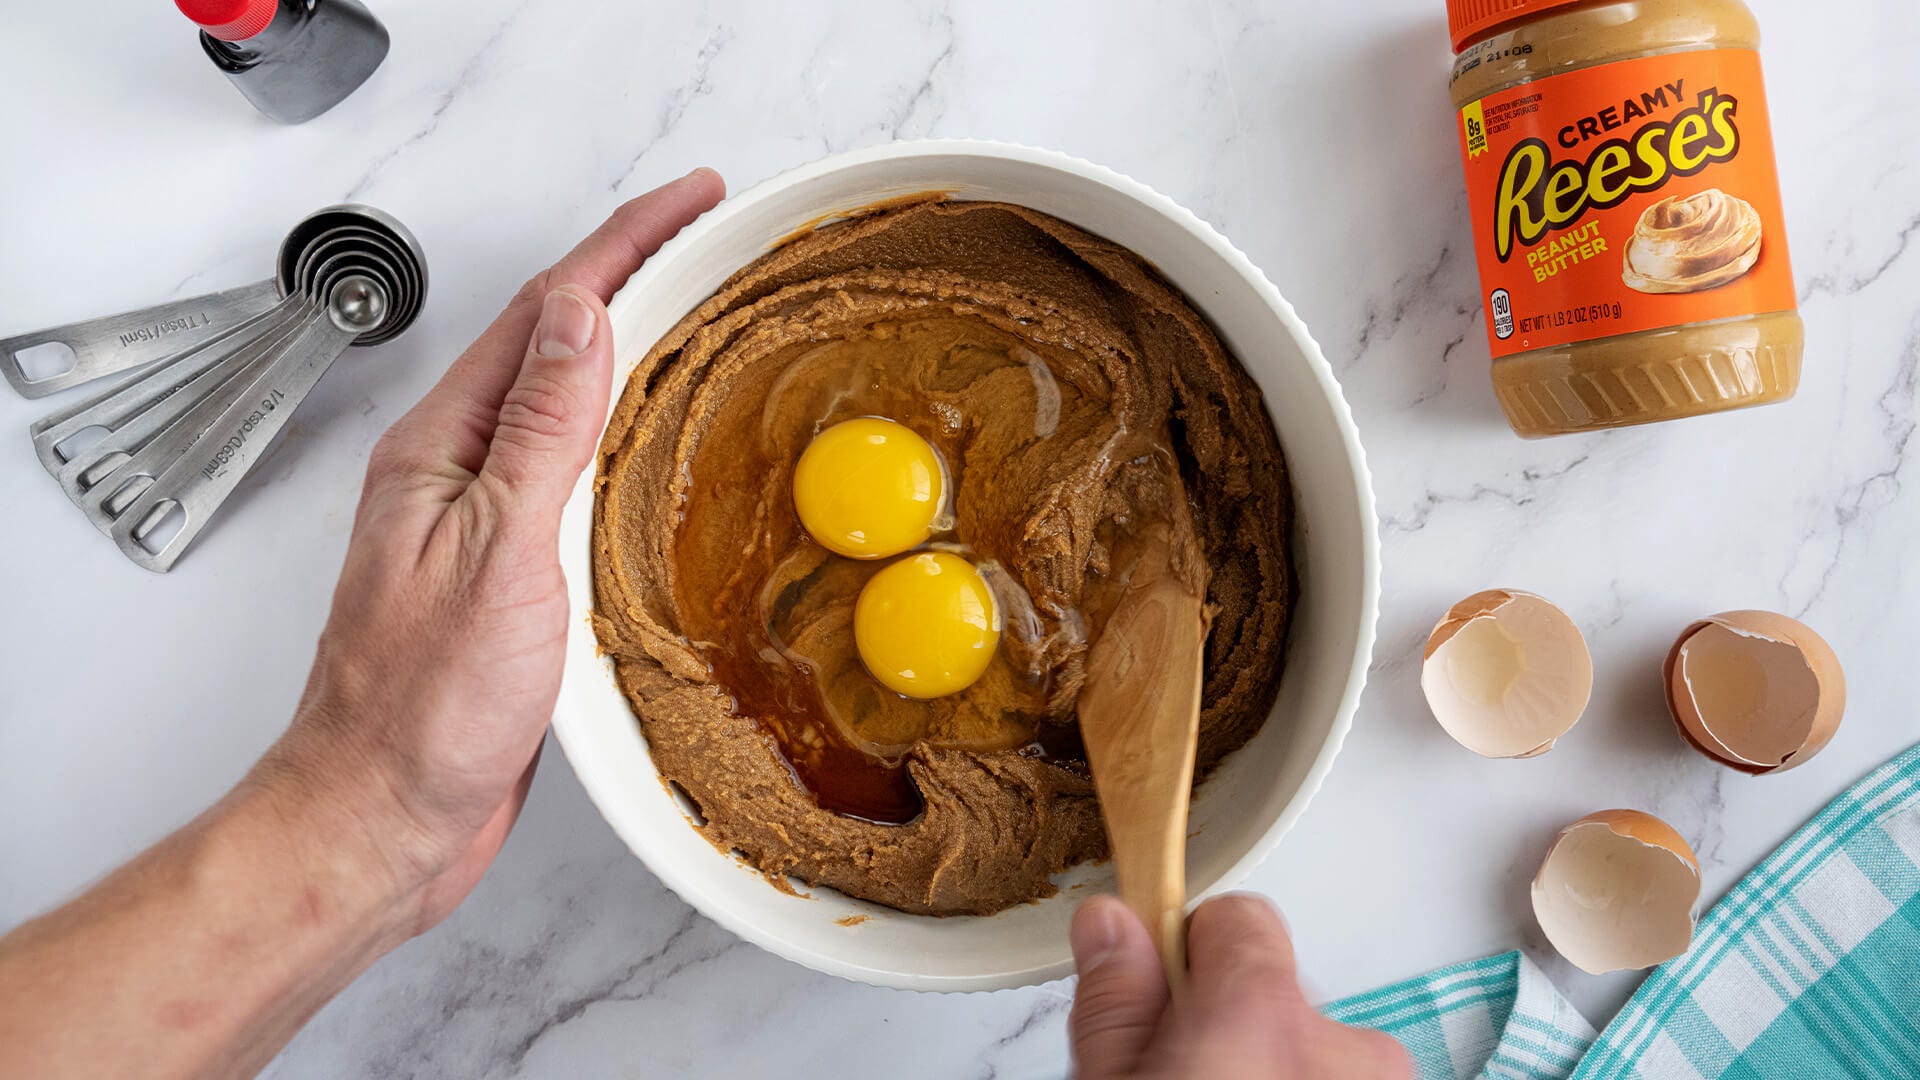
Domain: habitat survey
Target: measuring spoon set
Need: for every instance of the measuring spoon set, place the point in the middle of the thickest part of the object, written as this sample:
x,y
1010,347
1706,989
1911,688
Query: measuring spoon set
x,y
214,378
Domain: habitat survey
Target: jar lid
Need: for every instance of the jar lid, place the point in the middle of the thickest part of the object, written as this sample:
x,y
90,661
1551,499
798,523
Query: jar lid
x,y
1466,19
229,20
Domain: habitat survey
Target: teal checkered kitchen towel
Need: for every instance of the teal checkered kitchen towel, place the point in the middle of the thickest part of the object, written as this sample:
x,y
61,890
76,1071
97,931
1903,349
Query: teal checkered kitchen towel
x,y
1494,1017
1809,968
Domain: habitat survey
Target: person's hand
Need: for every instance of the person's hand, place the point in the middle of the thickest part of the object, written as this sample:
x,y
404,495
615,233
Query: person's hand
x,y
1243,1014
439,666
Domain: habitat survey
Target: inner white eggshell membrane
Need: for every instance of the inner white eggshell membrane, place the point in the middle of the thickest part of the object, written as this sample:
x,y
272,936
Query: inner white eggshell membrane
x,y
1755,697
1507,673
1610,901
1755,690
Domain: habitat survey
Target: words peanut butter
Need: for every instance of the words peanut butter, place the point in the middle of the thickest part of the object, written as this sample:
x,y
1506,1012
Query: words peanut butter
x,y
1626,209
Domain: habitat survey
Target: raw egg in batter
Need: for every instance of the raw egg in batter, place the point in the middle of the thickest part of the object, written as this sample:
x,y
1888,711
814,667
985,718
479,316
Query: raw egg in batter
x,y
927,626
869,488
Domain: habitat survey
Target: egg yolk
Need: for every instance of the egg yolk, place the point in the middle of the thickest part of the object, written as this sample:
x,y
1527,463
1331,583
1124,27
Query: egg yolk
x,y
868,488
927,626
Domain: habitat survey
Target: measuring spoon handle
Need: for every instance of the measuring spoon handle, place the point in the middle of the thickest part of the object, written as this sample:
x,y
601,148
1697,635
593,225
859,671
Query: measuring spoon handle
x,y
117,342
200,479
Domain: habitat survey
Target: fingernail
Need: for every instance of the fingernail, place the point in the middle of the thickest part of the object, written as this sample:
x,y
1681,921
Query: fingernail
x,y
566,326
1259,900
1095,933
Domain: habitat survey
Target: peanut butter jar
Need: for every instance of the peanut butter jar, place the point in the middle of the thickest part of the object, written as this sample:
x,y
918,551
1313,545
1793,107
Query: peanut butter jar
x,y
1626,209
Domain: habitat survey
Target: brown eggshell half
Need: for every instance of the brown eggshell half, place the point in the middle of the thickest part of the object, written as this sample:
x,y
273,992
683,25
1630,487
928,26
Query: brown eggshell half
x,y
1617,891
1526,645
1754,690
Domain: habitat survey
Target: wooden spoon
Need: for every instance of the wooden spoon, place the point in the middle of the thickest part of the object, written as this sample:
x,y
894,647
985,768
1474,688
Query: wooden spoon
x,y
1140,718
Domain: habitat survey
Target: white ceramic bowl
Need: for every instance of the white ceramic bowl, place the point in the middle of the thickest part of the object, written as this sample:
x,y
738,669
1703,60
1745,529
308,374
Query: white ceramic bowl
x,y
1256,794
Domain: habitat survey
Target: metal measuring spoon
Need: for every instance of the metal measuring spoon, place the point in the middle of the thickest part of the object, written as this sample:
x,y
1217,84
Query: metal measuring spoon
x,y
172,441
149,421
131,339
202,475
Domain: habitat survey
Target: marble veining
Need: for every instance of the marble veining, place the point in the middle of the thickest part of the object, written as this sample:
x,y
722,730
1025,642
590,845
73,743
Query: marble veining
x,y
1318,138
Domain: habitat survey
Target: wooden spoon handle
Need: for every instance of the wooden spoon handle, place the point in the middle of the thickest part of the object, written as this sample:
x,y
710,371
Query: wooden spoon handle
x,y
1141,731
1157,893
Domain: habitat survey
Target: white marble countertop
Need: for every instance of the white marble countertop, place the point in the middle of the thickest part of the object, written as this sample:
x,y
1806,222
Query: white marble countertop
x,y
1319,140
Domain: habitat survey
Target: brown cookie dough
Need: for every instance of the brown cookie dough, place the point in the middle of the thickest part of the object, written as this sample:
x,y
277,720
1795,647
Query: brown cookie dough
x,y
1072,394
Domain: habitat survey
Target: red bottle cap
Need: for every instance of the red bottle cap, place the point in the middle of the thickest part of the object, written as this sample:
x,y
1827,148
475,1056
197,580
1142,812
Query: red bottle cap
x,y
229,20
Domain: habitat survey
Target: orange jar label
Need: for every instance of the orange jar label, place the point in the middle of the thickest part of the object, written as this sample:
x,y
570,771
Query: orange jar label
x,y
1630,196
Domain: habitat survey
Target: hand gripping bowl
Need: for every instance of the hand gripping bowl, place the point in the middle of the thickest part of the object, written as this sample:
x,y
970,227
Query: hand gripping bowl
x,y
1257,793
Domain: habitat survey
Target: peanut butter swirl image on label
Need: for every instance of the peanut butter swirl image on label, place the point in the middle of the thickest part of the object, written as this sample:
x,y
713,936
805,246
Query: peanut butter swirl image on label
x,y
1691,243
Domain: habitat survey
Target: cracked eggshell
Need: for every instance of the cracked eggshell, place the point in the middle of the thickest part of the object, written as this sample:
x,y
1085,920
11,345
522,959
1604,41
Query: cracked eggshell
x,y
1617,891
1506,673
1755,691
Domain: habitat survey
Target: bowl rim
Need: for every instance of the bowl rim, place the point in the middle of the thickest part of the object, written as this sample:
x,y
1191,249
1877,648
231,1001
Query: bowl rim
x,y
572,733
